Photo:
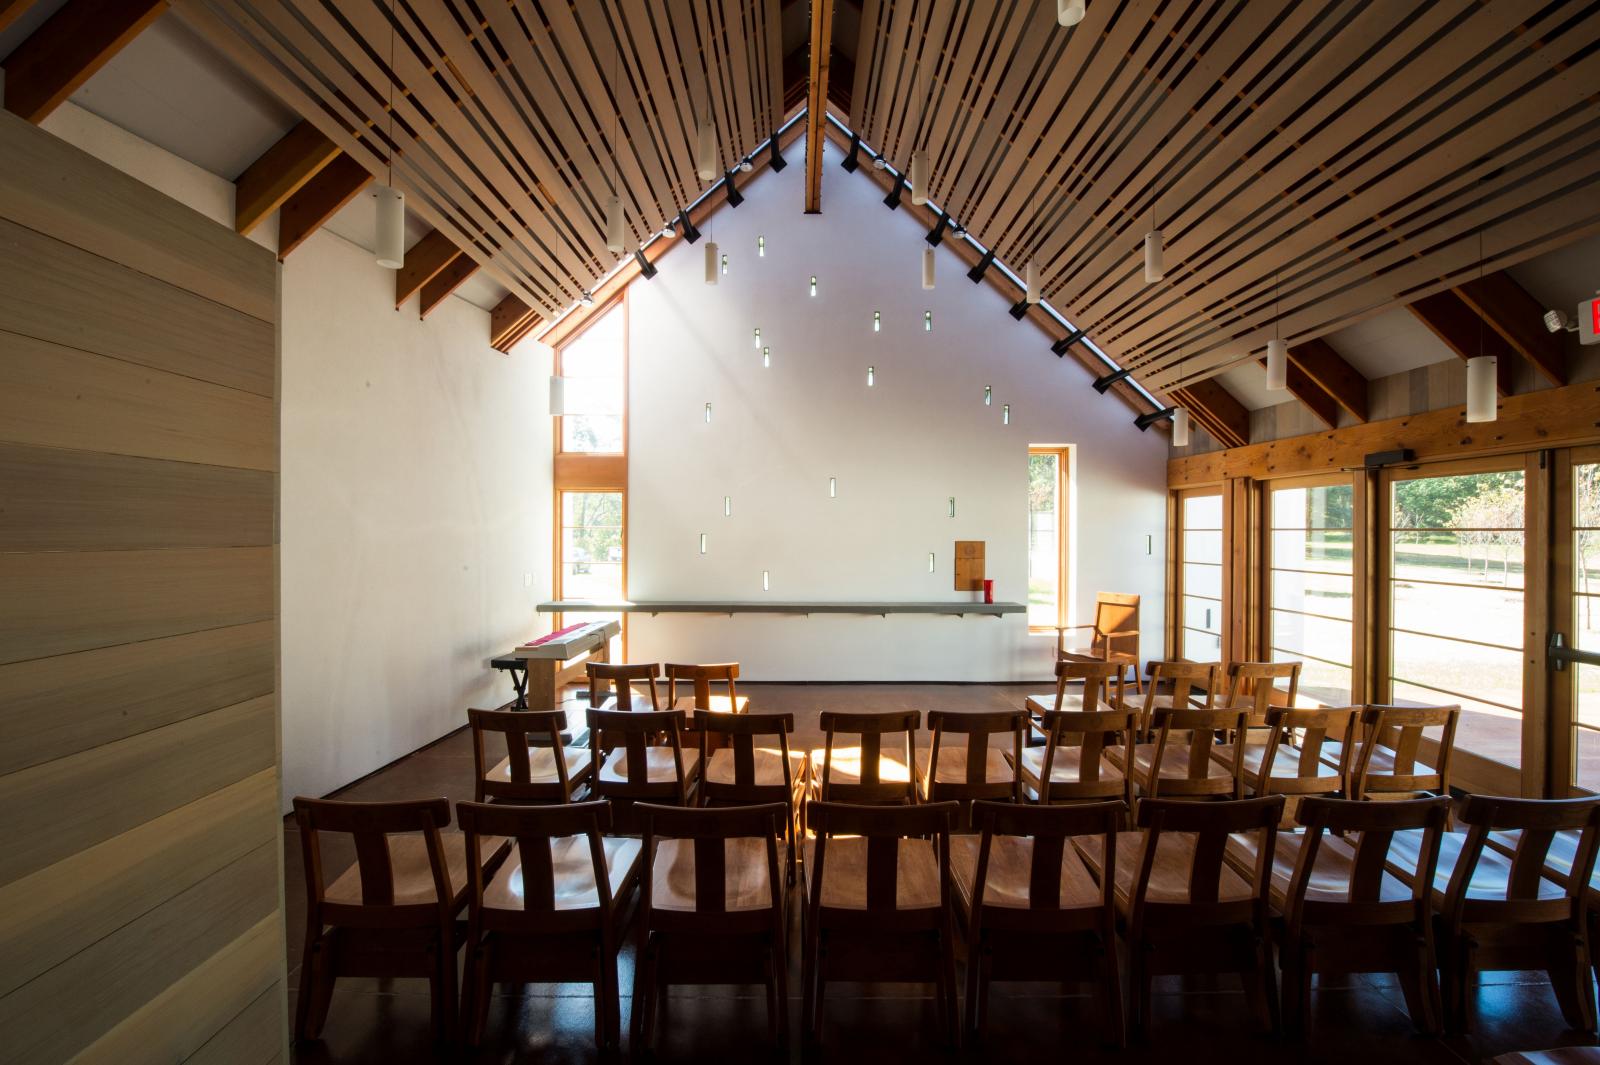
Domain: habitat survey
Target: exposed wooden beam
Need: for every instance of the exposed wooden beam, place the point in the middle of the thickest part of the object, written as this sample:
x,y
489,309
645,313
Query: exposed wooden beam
x,y
424,260
1337,377
1308,392
445,282
319,200
510,321
11,10
1219,413
280,172
65,52
1458,325
1519,319
817,99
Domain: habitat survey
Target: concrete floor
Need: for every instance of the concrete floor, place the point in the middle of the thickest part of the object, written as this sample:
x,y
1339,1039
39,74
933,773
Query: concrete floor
x,y
1356,1019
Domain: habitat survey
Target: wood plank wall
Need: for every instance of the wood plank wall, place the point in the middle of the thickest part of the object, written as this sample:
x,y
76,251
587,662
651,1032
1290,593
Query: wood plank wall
x,y
140,844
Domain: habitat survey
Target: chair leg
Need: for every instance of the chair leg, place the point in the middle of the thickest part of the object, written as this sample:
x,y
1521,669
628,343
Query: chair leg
x,y
476,990
602,1004
1258,985
808,985
643,996
974,1021
1295,961
1143,984
316,986
1419,981
1111,989
952,1009
780,974
1570,976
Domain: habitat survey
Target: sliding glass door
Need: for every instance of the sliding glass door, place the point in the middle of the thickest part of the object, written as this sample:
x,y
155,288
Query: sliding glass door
x,y
1311,574
1575,609
1199,574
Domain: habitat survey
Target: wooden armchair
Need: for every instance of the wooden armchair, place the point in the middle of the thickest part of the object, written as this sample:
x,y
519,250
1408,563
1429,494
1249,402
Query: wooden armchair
x,y
1031,907
394,912
1113,635
739,772
553,911
973,769
531,771
637,768
868,772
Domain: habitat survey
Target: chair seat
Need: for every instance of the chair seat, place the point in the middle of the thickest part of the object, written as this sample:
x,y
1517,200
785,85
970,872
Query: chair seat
x,y
1066,768
1169,875
844,880
746,879
573,874
634,701
1382,763
1174,764
659,766
1285,766
845,766
1071,703
768,764
1489,879
1557,860
1330,876
1010,869
413,875
952,767
719,704
542,766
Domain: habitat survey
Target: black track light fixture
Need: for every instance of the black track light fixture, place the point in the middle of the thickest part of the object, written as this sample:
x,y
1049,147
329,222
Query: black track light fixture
x,y
1103,384
1145,421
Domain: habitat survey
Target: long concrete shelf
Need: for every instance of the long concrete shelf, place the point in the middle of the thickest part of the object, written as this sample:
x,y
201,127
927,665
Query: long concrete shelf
x,y
697,606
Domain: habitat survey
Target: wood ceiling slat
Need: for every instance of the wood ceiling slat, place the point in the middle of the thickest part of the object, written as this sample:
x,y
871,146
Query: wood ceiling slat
x,y
676,124
953,102
867,38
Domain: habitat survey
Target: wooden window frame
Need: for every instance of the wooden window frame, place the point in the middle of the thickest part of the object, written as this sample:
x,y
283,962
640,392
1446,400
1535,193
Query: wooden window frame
x,y
1560,770
1063,454
1175,533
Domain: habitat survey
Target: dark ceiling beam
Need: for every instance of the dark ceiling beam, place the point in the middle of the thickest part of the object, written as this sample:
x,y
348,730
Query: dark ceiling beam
x,y
1450,319
817,99
319,200
280,172
1311,395
1519,319
1337,377
424,261
510,321
1218,412
67,50
11,10
445,282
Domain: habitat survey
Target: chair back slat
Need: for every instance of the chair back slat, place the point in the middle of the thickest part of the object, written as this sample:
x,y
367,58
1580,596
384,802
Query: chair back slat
x,y
883,872
710,875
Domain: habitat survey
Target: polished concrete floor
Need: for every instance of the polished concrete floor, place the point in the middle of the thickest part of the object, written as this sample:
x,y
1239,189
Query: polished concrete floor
x,y
1357,1019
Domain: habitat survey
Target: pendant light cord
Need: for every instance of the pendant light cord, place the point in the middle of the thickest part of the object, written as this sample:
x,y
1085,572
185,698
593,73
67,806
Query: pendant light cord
x,y
392,20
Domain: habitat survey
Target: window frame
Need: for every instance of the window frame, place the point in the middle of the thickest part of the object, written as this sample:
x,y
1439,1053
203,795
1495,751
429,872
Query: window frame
x,y
617,304
1063,455
1358,552
1178,529
1564,725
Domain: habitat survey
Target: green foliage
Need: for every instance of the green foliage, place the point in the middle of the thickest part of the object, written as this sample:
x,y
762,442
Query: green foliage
x,y
1434,502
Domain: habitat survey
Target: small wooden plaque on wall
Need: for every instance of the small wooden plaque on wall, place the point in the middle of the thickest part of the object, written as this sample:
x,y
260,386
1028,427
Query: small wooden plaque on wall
x,y
969,565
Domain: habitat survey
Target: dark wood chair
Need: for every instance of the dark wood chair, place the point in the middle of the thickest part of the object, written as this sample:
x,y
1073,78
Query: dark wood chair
x,y
634,767
611,685
1183,909
538,767
973,769
1072,766
1178,762
1291,760
702,697
1338,910
878,902
1175,685
711,909
1101,688
1113,635
871,771
1031,907
741,773
1387,760
554,910
392,914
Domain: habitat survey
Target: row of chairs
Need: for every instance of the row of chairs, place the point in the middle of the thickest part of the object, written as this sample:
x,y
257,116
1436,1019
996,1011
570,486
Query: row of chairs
x,y
892,893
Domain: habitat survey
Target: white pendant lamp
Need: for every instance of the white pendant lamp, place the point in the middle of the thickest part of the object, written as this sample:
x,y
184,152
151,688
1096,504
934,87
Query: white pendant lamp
x,y
919,178
616,241
558,396
927,267
1154,267
706,155
1277,365
1032,278
1071,12
1482,403
391,251
1180,427
712,265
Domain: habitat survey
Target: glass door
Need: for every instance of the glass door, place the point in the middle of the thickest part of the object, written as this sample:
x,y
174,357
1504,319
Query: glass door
x,y
1199,573
1311,584
1574,652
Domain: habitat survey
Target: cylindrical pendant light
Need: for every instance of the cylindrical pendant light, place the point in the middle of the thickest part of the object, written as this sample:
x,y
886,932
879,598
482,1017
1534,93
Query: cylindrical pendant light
x,y
919,178
1482,402
1277,365
1154,268
1180,427
391,251
558,396
712,263
1032,278
1071,12
927,267
706,156
615,239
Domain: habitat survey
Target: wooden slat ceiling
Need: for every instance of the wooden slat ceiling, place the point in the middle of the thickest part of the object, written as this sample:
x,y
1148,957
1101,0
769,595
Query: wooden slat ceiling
x,y
505,115
1309,161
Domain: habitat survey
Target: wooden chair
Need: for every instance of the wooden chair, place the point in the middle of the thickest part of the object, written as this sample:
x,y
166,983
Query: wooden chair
x,y
1097,693
866,773
701,697
553,912
1254,685
1284,767
1178,762
1113,635
1072,766
878,902
711,910
610,682
1183,909
1386,762
531,771
394,912
637,768
1031,907
974,769
1190,686
742,773
1339,910
1497,913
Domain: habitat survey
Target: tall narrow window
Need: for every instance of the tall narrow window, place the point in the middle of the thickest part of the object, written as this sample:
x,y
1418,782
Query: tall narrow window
x,y
1584,621
594,364
591,552
1200,576
1310,552
1047,537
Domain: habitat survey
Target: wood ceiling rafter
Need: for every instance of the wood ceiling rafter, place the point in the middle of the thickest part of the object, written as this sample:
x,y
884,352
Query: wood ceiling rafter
x,y
819,57
66,50
1310,162
505,114
11,10
280,172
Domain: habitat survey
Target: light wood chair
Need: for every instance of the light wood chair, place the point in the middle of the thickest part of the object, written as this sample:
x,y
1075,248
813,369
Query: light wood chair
x,y
1339,910
702,698
1113,635
638,768
1296,767
1101,688
711,909
1178,762
1071,767
392,914
1031,907
1183,909
869,772
1189,686
1387,759
553,912
878,903
974,769
611,685
1254,685
741,773
531,771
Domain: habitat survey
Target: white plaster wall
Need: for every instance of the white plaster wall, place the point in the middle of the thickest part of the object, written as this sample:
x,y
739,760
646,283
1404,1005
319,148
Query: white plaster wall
x,y
899,449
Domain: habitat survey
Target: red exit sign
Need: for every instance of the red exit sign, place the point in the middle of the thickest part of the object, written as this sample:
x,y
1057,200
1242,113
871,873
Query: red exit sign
x,y
1589,321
